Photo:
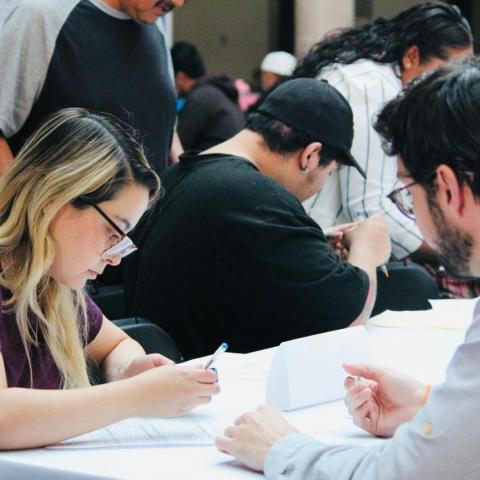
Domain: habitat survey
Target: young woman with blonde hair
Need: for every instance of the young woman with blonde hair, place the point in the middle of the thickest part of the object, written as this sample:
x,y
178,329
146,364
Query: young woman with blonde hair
x,y
73,191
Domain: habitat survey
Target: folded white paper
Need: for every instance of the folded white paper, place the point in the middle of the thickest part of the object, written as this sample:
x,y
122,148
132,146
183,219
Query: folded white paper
x,y
308,371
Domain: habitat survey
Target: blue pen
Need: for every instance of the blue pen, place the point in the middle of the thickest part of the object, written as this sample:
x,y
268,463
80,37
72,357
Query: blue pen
x,y
216,354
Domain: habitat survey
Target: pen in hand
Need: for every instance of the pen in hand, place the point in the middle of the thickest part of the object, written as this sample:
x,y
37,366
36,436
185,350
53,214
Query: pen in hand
x,y
222,348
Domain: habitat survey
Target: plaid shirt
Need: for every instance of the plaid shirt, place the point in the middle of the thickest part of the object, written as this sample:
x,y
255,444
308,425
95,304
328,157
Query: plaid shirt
x,y
453,287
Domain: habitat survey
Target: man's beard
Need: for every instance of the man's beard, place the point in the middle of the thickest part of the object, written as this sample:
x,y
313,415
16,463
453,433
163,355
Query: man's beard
x,y
454,247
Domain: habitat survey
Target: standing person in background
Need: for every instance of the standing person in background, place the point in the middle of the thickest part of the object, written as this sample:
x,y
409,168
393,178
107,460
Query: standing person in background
x,y
105,55
77,186
435,132
276,68
211,113
370,65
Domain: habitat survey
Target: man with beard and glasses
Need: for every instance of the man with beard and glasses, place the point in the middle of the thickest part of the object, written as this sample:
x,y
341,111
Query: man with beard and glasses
x,y
103,55
434,130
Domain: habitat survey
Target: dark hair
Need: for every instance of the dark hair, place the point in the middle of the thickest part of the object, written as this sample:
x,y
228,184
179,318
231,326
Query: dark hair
x,y
437,121
284,140
434,28
187,59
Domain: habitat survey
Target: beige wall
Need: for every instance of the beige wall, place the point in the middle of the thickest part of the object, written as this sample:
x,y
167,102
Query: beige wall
x,y
387,8
314,18
233,36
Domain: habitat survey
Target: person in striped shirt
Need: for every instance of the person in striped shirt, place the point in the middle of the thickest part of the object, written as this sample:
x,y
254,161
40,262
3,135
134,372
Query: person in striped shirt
x,y
370,65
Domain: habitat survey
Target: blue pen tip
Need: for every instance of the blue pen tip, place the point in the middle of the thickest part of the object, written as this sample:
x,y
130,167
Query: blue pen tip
x,y
224,346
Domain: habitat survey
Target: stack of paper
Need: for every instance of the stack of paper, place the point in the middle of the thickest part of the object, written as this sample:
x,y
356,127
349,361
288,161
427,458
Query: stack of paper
x,y
445,314
191,429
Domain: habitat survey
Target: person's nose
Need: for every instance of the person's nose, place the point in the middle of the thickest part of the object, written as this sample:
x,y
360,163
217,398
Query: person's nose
x,y
114,260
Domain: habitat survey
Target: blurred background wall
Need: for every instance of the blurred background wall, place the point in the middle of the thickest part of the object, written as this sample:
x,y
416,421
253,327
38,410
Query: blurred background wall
x,y
234,35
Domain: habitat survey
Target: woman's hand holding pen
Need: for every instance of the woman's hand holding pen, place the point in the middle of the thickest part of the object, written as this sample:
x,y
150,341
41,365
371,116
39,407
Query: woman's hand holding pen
x,y
380,399
172,390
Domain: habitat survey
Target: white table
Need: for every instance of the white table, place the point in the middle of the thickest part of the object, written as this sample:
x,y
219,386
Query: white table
x,y
423,353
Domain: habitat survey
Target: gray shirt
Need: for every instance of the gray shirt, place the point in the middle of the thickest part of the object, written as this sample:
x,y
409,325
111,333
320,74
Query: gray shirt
x,y
441,442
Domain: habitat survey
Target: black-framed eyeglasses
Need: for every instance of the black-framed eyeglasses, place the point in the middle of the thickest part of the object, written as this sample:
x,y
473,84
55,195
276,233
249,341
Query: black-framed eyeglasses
x,y
403,199
121,248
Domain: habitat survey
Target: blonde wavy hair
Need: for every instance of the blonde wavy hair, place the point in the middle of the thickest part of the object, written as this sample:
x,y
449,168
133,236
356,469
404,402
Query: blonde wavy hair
x,y
76,157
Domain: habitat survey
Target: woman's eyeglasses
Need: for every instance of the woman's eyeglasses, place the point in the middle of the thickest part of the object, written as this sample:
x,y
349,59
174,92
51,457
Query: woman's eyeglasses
x,y
120,248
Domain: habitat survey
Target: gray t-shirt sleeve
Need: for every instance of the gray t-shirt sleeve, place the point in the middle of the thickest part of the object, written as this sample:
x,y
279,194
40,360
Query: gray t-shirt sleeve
x,y
440,442
27,43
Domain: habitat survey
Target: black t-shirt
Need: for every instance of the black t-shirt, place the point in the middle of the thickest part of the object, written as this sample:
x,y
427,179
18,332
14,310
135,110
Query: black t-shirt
x,y
230,255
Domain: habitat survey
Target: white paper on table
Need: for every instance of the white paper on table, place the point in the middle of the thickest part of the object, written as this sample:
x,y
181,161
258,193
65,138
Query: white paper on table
x,y
308,371
191,429
446,314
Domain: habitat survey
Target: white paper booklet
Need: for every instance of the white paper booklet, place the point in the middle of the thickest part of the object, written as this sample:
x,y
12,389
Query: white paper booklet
x,y
191,429
308,371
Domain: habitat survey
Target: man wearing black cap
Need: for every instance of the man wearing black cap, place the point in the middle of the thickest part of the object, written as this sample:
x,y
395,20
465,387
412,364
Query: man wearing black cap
x,y
231,255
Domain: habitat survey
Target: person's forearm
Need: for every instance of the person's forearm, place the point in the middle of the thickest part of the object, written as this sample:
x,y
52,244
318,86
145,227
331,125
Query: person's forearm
x,y
35,418
361,260
120,357
6,155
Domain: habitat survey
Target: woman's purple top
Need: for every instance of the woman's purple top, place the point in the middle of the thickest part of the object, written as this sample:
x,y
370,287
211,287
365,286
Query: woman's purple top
x,y
45,372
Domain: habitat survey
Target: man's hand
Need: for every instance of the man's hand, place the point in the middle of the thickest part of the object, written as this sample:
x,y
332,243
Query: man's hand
x,y
144,363
369,240
335,237
380,399
253,435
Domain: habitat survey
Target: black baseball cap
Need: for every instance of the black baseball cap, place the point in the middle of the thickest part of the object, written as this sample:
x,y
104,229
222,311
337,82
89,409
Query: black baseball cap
x,y
316,108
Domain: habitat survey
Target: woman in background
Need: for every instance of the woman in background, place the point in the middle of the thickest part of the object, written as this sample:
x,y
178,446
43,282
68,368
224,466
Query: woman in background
x,y
370,65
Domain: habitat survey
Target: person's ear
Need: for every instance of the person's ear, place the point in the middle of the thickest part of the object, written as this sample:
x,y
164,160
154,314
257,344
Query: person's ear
x,y
309,156
451,195
411,58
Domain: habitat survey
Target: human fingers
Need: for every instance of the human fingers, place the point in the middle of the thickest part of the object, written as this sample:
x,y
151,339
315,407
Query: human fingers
x,y
203,400
201,375
207,389
358,400
245,418
362,415
159,360
224,444
366,417
363,370
348,382
245,444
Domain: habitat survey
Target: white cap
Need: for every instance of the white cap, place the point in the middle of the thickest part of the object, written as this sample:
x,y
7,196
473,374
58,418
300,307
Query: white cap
x,y
281,63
